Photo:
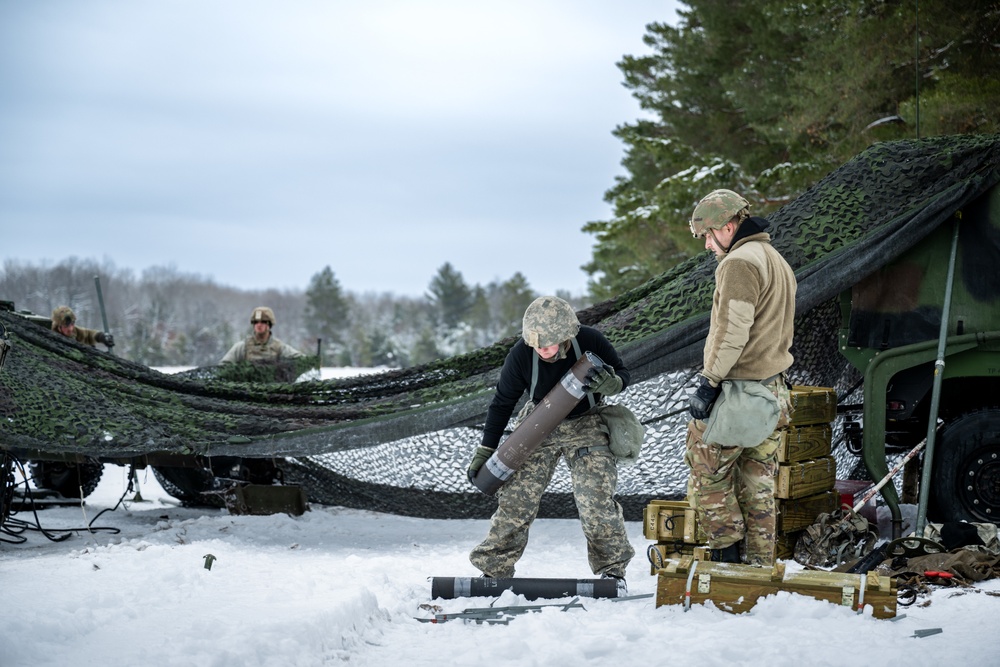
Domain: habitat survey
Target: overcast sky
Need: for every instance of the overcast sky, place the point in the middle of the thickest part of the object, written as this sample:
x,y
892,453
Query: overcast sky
x,y
255,142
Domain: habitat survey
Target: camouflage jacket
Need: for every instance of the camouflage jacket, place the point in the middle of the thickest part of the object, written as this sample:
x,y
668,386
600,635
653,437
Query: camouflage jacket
x,y
515,379
269,350
83,335
753,311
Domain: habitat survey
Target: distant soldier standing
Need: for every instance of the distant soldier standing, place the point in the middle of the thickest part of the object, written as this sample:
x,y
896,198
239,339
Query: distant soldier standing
x,y
749,338
261,345
64,322
552,341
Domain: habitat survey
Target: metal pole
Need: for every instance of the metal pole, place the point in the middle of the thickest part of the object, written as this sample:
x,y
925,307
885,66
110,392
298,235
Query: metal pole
x,y
104,315
925,478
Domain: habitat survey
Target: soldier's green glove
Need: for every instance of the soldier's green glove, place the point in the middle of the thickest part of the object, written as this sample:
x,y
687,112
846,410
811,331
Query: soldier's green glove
x,y
602,380
479,458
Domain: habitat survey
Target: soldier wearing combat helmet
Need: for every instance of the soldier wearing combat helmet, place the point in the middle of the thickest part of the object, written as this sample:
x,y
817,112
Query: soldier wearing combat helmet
x,y
64,322
552,340
748,343
260,345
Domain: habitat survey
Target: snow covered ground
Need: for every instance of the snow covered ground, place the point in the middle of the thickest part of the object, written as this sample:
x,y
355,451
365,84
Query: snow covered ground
x,y
342,586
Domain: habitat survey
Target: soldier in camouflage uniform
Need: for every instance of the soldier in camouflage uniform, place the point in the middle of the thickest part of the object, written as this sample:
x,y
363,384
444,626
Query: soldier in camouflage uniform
x,y
749,338
64,322
261,345
552,341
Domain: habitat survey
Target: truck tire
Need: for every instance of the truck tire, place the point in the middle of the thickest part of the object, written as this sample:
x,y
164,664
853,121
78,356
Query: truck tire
x,y
67,479
188,485
966,478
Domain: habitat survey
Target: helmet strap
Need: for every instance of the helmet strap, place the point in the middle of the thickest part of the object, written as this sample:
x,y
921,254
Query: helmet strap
x,y
725,249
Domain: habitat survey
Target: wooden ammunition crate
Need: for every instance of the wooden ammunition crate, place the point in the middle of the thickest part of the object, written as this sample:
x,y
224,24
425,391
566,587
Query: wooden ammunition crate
x,y
805,478
737,588
813,405
672,520
661,552
800,513
784,545
801,443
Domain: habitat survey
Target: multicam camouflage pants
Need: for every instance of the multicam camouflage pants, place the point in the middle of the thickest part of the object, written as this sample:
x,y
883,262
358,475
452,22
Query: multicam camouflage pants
x,y
594,475
732,488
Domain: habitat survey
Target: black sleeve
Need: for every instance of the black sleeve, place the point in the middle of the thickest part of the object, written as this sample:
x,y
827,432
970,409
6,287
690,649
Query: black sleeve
x,y
514,379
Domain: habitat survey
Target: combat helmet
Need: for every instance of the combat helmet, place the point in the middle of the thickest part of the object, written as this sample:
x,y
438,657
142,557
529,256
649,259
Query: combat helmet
x,y
262,313
62,316
716,209
548,321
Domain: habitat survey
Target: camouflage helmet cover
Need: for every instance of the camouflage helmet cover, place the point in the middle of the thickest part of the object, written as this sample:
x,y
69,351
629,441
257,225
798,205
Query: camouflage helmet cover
x,y
62,316
262,313
716,209
548,321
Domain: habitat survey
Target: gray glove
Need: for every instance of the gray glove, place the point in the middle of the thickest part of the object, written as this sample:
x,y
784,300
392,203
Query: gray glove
x,y
479,459
106,338
602,380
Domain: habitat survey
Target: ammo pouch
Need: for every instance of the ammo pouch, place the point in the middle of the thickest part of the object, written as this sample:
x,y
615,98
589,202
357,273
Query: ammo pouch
x,y
836,537
625,432
745,413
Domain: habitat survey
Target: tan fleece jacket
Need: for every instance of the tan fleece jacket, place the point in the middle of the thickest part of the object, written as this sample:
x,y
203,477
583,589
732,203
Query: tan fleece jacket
x,y
752,313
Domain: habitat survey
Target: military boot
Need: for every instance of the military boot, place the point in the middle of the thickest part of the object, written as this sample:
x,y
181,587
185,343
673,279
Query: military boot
x,y
730,554
619,583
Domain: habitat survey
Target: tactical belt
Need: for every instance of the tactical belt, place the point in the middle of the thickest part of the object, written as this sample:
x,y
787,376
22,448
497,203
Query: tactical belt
x,y
776,376
583,451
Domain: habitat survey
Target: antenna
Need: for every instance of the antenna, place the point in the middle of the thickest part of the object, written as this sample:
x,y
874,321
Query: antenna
x,y
916,59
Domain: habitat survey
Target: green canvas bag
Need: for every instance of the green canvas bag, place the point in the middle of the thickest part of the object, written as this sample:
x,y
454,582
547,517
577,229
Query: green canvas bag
x,y
745,413
625,432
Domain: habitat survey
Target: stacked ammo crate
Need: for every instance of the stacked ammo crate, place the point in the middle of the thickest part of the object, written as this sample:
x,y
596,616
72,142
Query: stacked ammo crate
x,y
803,490
674,529
807,473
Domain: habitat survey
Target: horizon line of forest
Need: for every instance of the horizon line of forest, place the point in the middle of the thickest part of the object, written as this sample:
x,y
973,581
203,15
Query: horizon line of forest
x,y
166,317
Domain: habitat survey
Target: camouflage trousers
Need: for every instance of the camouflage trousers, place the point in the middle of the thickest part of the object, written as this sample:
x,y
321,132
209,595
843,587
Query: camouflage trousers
x,y
594,476
732,488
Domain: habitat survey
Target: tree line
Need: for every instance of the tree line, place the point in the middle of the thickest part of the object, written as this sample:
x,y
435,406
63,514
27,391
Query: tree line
x,y
164,317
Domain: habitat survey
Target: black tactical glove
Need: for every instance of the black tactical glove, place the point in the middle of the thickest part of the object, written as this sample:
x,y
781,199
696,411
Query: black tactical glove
x,y
701,401
479,458
602,380
106,338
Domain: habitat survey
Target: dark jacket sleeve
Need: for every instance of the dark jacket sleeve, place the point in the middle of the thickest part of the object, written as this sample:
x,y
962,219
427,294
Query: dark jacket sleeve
x,y
515,376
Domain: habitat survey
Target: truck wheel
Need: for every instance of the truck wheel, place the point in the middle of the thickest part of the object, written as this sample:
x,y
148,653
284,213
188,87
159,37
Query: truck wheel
x,y
187,485
966,477
66,479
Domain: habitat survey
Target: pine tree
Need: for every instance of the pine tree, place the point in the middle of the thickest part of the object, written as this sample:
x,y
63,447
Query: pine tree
x,y
767,97
327,309
450,295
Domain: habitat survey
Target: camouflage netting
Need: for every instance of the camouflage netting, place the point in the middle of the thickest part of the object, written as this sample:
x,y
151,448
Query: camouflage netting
x,y
400,441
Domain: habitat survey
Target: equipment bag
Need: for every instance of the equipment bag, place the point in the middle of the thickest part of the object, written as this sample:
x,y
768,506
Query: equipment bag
x,y
745,413
625,432
836,537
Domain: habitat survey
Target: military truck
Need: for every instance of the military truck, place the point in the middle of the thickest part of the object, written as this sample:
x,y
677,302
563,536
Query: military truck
x,y
891,330
194,480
